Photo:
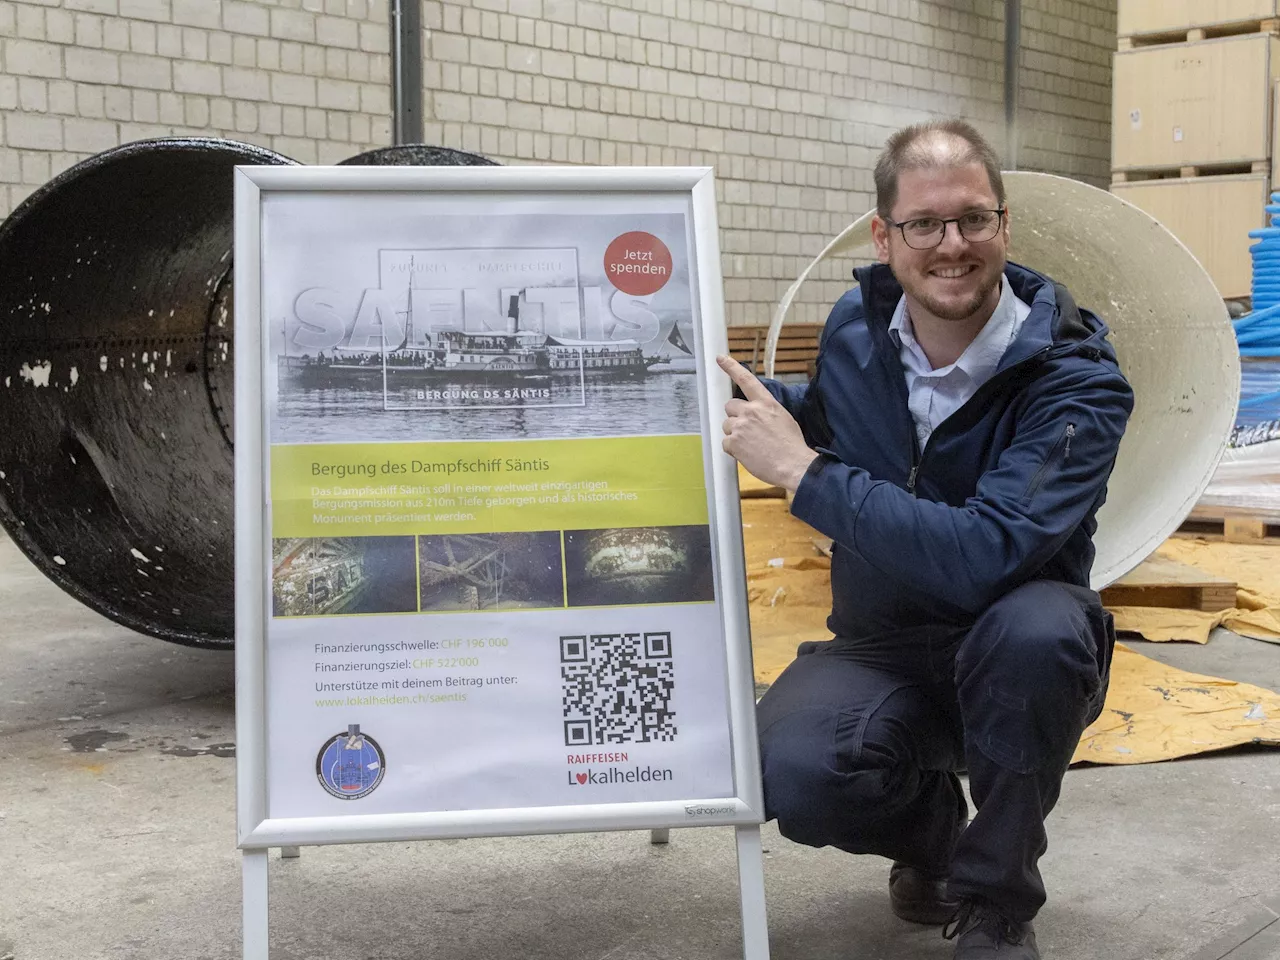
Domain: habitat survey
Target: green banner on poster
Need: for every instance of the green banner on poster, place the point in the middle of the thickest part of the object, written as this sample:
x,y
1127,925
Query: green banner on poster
x,y
397,489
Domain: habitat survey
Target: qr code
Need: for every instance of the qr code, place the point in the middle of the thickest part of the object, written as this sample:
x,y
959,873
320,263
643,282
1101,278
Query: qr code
x,y
616,688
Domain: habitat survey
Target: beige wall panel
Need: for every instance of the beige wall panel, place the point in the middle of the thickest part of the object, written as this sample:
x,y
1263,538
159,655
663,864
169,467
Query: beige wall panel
x,y
1194,103
1155,16
1212,216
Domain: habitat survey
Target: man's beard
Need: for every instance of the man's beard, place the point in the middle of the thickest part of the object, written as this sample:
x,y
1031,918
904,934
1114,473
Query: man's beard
x,y
951,311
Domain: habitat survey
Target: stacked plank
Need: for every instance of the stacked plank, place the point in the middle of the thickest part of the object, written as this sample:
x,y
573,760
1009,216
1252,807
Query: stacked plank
x,y
1192,123
797,350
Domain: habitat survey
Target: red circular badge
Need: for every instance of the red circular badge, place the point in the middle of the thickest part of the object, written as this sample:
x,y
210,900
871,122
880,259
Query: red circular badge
x,y
637,263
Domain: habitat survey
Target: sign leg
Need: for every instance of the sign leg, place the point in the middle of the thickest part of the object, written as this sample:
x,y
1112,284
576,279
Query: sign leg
x,y
254,878
755,923
660,835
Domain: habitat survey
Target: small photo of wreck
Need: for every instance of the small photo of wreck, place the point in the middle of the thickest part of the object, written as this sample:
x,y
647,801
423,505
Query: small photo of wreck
x,y
341,576
500,571
638,565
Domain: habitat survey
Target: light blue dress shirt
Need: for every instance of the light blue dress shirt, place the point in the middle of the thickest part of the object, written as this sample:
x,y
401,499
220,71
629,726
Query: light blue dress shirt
x,y
933,395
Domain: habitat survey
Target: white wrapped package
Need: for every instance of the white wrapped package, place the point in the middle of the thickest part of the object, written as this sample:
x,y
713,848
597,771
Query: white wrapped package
x,y
1247,480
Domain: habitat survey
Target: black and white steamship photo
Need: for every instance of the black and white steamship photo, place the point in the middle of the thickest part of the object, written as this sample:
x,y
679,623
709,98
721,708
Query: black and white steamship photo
x,y
444,326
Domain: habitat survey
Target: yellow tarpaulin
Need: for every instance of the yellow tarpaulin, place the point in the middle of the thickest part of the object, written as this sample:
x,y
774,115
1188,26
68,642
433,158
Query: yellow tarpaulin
x,y
1153,712
1156,712
788,585
749,486
1168,623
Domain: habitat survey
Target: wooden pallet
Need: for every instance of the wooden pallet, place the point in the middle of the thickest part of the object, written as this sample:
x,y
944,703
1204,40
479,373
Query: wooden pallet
x,y
1186,173
1232,529
797,347
1193,34
1160,582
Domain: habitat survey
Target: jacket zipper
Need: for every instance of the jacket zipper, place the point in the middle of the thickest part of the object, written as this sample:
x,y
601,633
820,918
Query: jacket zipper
x,y
1064,441
918,455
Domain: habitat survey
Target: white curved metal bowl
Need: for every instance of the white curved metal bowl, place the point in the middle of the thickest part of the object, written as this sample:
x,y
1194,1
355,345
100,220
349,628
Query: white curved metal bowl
x,y
1170,329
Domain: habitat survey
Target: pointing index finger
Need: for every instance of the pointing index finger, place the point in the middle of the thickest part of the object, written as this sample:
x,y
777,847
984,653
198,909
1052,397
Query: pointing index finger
x,y
751,388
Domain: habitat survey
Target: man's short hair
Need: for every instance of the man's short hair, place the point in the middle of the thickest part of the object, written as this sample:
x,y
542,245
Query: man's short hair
x,y
915,148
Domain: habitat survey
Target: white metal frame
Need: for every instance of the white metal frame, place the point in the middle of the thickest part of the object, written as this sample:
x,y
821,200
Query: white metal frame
x,y
255,832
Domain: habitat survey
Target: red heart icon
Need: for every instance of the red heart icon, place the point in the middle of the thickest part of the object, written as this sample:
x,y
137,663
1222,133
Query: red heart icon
x,y
582,778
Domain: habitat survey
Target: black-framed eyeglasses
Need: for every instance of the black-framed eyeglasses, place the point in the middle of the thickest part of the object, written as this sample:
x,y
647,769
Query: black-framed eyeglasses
x,y
925,233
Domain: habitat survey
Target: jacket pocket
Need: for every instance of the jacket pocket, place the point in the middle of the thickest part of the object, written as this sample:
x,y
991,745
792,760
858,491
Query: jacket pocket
x,y
1063,447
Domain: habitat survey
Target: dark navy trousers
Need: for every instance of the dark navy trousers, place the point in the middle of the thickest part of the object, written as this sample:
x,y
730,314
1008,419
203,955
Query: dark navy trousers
x,y
861,740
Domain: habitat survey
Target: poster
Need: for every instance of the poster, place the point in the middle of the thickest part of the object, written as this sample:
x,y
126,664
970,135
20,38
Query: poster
x,y
491,575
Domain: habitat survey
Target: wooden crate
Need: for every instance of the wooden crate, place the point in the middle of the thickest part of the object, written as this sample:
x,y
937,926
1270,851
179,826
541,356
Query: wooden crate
x,y
1233,528
1174,172
1161,582
1194,104
1212,216
1137,17
1275,143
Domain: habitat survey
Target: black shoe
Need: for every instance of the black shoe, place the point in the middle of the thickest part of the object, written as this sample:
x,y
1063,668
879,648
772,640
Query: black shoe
x,y
920,897
983,934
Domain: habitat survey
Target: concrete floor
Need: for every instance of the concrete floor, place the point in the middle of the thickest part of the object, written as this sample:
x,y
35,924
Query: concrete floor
x,y
117,841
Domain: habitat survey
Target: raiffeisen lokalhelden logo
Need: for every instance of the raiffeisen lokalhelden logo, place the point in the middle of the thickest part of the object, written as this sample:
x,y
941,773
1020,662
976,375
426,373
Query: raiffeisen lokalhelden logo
x,y
602,769
597,777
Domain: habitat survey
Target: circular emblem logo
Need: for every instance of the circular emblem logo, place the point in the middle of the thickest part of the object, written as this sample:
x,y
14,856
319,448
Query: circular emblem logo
x,y
350,765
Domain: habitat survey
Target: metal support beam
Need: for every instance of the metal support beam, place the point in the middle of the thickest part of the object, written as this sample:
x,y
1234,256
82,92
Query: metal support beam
x,y
406,71
1012,84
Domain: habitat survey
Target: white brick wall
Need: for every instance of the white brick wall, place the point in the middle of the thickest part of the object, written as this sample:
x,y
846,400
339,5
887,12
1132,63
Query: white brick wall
x,y
1067,47
307,78
790,102
791,108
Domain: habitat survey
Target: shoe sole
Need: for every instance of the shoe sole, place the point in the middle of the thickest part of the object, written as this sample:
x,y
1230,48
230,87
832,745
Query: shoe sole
x,y
931,913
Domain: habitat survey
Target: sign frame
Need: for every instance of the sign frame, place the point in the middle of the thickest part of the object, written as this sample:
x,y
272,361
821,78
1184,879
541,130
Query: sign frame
x,y
257,832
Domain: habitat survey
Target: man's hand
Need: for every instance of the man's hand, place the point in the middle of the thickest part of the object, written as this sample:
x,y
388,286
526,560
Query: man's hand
x,y
760,434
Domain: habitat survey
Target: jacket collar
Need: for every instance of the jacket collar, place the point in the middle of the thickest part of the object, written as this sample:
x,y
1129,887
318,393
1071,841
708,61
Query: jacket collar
x,y
981,358
1055,322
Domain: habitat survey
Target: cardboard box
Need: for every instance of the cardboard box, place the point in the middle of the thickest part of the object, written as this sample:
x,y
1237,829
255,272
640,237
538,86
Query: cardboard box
x,y
1192,104
1275,143
1166,16
1212,216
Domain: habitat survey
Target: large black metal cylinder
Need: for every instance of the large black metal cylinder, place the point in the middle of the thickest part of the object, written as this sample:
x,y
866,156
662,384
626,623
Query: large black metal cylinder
x,y
417,155
116,384
116,380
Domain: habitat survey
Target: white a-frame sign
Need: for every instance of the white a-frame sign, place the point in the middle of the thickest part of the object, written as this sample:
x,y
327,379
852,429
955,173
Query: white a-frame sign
x,y
489,571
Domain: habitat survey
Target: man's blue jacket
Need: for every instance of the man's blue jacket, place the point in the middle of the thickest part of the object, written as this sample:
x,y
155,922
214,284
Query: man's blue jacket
x,y
1004,492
